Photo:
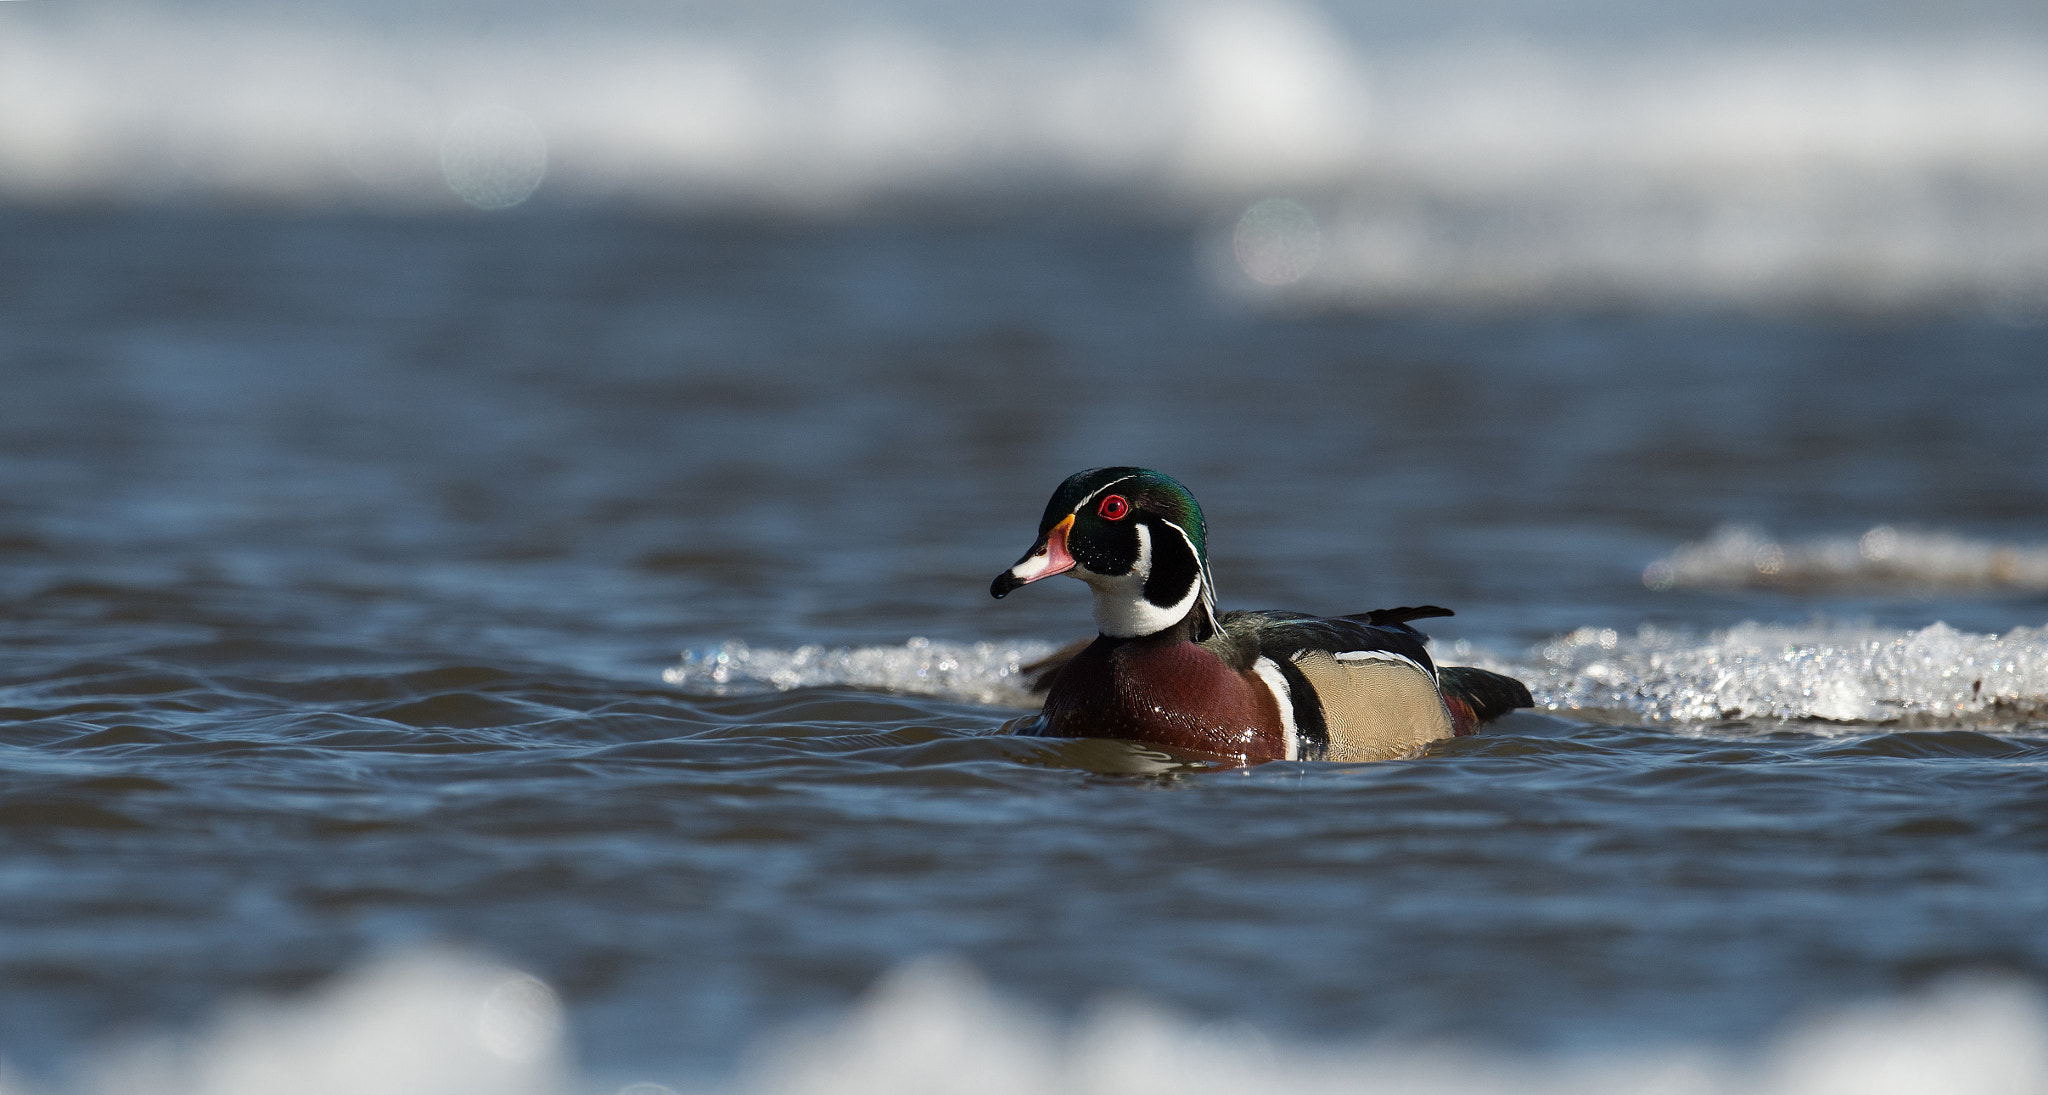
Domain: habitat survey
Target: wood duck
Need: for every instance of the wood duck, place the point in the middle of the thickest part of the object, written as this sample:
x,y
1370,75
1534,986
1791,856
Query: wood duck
x,y
1169,668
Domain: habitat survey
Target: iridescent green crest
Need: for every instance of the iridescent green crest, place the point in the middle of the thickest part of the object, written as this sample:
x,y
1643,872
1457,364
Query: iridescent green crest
x,y
1145,489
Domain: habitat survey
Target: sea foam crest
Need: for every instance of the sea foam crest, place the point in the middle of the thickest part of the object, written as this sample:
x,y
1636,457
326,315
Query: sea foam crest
x,y
982,672
1933,676
1885,557
1936,675
423,1024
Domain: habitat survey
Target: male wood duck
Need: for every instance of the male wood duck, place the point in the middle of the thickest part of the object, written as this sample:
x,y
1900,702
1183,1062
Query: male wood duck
x,y
1246,686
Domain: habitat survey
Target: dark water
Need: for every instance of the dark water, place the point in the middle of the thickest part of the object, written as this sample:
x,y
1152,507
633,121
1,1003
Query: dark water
x,y
343,556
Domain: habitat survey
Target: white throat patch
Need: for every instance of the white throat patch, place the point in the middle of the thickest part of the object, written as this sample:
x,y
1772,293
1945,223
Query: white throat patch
x,y
1121,610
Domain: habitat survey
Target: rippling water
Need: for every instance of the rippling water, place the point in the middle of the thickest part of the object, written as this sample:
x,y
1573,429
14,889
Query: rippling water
x,y
607,594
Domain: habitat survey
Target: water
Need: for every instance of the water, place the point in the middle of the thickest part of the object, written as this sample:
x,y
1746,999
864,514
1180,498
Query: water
x,y
1757,156
549,649
351,556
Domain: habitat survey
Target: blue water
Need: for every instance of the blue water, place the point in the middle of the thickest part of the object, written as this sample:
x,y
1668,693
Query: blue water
x,y
346,554
491,492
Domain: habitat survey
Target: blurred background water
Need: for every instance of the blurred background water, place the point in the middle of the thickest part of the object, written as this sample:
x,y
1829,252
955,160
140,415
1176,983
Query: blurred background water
x,y
525,479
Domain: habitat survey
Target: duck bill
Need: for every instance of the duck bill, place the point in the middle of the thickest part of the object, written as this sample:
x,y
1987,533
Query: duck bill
x,y
1046,558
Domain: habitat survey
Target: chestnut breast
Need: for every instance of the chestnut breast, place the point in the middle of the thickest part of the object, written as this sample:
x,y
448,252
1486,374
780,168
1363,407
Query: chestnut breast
x,y
1175,693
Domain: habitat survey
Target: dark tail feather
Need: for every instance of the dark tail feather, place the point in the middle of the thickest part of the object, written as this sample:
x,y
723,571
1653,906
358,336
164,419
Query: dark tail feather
x,y
1480,694
1383,617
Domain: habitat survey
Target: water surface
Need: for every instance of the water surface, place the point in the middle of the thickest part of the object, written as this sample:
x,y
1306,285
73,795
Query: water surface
x,y
367,580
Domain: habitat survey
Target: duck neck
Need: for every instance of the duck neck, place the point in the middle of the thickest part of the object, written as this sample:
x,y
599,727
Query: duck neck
x,y
1163,594
1191,628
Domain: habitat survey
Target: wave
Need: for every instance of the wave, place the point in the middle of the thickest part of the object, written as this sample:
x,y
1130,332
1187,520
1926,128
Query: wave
x,y
1934,676
1873,172
984,673
434,1022
1737,556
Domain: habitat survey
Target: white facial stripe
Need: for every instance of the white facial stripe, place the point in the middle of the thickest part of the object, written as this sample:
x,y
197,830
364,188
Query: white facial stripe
x,y
1353,657
1092,496
1207,588
1121,610
1269,671
1189,540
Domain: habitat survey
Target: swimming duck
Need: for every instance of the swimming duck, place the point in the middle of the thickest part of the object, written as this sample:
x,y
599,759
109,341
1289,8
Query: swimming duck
x,y
1169,668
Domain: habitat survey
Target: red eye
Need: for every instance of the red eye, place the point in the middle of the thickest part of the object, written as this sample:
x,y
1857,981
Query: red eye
x,y
1114,508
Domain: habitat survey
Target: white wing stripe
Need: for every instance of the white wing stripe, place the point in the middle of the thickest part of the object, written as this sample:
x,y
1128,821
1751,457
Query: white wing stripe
x,y
1353,657
1269,671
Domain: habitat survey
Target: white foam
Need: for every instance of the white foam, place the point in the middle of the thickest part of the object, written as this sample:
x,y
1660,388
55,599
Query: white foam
x,y
419,1023
161,99
984,672
409,1027
1884,556
1936,675
935,1027
1933,676
1894,168
1873,175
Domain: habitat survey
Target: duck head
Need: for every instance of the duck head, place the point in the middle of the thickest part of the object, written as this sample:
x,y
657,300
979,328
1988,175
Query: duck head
x,y
1136,537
